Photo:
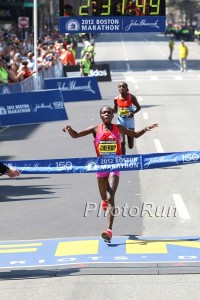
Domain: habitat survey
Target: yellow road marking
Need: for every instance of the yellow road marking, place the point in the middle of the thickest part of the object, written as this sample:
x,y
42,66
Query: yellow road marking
x,y
138,247
20,245
191,244
19,248
151,247
77,248
92,246
22,250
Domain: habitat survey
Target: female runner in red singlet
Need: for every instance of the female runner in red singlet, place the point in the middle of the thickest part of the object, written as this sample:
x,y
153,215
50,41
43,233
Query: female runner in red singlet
x,y
126,105
107,141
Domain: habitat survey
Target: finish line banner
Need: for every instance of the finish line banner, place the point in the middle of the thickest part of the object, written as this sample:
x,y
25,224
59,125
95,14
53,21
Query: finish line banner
x,y
32,108
105,163
75,89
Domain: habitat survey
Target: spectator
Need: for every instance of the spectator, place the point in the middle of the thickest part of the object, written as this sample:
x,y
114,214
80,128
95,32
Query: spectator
x,y
197,35
14,74
27,72
62,55
11,55
73,49
3,72
85,65
31,60
183,54
71,57
91,51
67,57
50,59
17,59
171,48
86,45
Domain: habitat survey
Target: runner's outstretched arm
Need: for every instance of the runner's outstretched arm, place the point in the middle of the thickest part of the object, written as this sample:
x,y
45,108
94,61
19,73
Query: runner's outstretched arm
x,y
136,134
74,134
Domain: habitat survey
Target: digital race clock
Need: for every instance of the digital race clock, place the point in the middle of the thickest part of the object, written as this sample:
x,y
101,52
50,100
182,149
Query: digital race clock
x,y
127,15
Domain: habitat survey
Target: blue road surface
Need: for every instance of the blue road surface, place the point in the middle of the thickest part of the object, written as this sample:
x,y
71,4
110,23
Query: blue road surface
x,y
84,252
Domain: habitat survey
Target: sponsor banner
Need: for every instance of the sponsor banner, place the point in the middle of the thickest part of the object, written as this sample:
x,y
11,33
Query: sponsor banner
x,y
100,71
32,108
75,89
26,85
106,163
10,88
112,24
71,71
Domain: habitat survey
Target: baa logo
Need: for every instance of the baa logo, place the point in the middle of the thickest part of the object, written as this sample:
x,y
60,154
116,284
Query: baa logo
x,y
72,25
3,111
5,90
91,166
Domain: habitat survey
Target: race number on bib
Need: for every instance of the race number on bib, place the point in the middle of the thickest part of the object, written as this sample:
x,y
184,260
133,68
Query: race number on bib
x,y
107,147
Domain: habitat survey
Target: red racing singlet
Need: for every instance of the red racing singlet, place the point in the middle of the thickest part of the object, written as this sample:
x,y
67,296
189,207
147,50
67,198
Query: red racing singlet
x,y
107,142
124,105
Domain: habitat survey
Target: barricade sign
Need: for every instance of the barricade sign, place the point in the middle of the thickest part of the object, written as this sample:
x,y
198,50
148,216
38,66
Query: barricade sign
x,y
10,88
32,108
71,71
100,71
75,89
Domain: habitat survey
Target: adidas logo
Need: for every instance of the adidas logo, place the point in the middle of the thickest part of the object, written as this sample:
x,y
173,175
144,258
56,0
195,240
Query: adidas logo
x,y
98,72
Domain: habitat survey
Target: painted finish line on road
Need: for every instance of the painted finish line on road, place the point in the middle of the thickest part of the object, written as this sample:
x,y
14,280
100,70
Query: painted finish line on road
x,y
106,163
73,251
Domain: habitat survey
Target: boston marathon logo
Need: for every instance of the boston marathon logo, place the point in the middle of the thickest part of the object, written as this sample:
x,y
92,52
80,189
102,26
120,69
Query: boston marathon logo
x,y
5,90
72,25
3,110
72,86
91,166
15,109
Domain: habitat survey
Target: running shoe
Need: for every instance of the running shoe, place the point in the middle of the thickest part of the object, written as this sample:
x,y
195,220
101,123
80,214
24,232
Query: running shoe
x,y
104,204
107,235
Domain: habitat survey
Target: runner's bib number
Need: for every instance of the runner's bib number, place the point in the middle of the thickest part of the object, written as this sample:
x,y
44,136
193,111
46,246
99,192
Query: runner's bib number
x,y
107,147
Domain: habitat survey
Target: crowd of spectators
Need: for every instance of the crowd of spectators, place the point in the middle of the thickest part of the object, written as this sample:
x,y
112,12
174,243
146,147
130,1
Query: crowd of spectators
x,y
181,32
17,61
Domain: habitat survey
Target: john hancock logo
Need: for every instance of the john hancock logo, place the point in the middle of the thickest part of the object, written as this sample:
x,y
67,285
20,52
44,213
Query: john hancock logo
x,y
72,25
142,23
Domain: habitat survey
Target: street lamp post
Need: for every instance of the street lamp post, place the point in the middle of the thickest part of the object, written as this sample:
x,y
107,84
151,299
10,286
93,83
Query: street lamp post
x,y
35,42
51,15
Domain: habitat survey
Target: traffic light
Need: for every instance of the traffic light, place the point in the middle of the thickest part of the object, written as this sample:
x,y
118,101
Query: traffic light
x,y
68,10
61,8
